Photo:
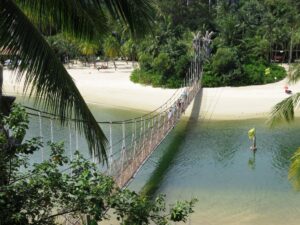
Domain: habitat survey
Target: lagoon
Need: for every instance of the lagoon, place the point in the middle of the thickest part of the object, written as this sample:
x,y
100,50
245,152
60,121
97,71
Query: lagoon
x,y
214,165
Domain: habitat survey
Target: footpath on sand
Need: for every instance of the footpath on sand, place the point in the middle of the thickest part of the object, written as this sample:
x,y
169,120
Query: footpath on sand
x,y
113,88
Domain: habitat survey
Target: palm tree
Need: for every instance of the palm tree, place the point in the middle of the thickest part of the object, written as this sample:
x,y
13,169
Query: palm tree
x,y
294,171
21,25
285,111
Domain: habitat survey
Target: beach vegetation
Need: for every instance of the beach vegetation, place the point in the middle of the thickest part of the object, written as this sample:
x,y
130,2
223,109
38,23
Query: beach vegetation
x,y
60,189
111,47
249,37
284,111
165,58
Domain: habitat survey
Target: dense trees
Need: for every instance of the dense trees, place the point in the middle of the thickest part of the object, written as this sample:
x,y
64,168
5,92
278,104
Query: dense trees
x,y
164,59
251,36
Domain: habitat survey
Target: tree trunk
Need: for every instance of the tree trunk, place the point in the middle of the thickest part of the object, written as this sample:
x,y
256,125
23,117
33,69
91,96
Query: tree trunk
x,y
291,50
5,101
1,85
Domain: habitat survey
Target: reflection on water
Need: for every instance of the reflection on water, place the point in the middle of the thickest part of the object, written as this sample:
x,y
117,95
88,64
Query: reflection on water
x,y
215,165
233,184
251,161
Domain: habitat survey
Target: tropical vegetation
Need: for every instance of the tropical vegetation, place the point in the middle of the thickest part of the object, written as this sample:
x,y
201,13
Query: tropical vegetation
x,y
47,192
250,38
284,111
23,25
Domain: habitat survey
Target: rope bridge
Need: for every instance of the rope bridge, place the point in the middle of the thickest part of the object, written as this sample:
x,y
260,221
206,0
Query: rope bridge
x,y
132,141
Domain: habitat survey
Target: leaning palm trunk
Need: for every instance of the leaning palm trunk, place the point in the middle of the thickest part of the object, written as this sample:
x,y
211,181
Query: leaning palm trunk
x,y
1,84
50,81
44,75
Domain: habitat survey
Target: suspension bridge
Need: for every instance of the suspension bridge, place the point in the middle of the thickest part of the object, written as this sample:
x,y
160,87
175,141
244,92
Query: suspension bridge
x,y
132,141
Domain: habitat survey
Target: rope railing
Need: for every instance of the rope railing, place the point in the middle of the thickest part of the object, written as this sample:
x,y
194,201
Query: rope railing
x,y
138,153
132,141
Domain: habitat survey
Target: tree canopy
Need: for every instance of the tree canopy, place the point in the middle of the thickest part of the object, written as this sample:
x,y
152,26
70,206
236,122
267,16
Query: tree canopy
x,y
22,25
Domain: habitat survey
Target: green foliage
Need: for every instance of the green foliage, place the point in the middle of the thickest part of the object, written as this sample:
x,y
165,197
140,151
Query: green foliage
x,y
144,77
294,171
224,61
165,58
162,64
43,192
111,47
182,210
276,73
255,73
22,26
145,61
249,74
129,50
63,47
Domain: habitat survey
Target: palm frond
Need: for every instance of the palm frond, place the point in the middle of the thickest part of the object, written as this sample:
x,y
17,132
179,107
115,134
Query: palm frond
x,y
81,19
138,14
294,170
45,76
284,110
294,73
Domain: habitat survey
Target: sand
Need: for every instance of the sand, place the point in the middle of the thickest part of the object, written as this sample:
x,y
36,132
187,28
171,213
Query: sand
x,y
113,88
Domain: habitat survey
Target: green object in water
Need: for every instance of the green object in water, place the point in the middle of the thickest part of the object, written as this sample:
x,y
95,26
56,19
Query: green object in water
x,y
251,133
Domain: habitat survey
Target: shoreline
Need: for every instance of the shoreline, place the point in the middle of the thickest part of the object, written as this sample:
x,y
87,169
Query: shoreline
x,y
113,89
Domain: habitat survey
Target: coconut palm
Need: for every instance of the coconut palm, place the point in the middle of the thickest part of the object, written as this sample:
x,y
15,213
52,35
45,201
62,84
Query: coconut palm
x,y
285,111
294,171
22,23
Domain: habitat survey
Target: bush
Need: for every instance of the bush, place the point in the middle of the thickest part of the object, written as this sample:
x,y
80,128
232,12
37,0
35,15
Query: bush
x,y
162,64
224,61
182,65
146,77
145,61
276,73
249,74
254,73
209,80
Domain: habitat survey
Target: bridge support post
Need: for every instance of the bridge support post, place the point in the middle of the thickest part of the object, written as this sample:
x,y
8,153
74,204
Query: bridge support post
x,y
134,159
123,154
41,134
51,130
110,160
70,141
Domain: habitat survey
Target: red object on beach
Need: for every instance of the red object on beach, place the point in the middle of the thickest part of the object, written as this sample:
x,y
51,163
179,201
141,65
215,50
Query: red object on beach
x,y
286,87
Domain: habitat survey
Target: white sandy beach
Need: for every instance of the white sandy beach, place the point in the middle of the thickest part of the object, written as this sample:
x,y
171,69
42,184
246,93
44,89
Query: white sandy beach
x,y
112,88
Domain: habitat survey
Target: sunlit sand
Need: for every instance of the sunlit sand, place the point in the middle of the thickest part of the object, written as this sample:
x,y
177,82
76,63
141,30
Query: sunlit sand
x,y
113,88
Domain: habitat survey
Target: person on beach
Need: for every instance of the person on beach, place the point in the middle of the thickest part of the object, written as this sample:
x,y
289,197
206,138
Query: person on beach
x,y
286,88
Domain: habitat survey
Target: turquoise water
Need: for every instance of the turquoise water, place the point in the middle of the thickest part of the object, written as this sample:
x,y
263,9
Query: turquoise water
x,y
214,164
71,137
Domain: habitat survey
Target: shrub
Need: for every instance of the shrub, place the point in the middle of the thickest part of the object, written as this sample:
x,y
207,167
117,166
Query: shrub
x,y
210,80
276,73
162,64
146,77
182,65
145,61
224,61
254,73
